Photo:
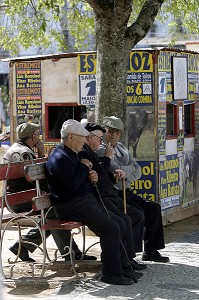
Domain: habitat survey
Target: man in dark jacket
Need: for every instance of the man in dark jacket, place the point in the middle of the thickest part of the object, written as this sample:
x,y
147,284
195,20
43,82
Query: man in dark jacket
x,y
108,194
153,234
70,181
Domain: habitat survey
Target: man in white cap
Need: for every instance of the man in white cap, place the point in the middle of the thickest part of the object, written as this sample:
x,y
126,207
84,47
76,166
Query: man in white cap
x,y
70,180
29,138
153,235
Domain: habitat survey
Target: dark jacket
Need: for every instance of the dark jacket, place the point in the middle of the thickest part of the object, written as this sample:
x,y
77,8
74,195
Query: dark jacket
x,y
101,166
67,176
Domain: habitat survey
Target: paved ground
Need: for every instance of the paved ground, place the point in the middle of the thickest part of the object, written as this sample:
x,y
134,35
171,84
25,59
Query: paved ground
x,y
178,279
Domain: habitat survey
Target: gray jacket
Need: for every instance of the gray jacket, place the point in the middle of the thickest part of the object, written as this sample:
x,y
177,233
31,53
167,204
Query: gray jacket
x,y
122,160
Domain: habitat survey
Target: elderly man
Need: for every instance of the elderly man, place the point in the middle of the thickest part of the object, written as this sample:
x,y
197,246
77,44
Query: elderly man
x,y
29,138
107,192
153,235
70,181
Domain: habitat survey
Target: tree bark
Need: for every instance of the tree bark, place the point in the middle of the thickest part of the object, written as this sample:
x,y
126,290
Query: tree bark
x,y
114,40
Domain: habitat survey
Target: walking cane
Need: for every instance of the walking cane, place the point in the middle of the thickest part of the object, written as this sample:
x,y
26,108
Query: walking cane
x,y
124,194
102,202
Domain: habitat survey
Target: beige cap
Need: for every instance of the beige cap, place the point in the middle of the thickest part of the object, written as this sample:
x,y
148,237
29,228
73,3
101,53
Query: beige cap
x,y
113,122
73,126
25,130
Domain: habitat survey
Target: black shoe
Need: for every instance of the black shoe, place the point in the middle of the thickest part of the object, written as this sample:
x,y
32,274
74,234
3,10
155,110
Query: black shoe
x,y
155,256
116,279
24,256
129,274
136,266
86,257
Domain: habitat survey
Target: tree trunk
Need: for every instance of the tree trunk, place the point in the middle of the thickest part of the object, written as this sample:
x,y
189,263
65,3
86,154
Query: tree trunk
x,y
112,62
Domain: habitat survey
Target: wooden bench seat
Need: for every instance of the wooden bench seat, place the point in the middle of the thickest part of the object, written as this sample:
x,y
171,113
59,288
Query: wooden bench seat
x,y
41,204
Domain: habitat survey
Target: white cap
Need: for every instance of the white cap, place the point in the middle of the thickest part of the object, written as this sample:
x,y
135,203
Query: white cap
x,y
73,126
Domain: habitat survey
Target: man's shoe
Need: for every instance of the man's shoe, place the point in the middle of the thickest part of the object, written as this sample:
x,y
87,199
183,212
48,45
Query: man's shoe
x,y
24,256
136,266
116,279
129,274
154,256
86,257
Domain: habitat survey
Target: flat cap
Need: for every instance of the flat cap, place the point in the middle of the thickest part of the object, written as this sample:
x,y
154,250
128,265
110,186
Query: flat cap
x,y
25,130
73,126
94,126
113,122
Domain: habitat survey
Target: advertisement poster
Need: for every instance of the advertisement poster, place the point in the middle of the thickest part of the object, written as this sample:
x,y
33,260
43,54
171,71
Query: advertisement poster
x,y
146,185
169,182
87,78
162,128
28,91
190,177
139,87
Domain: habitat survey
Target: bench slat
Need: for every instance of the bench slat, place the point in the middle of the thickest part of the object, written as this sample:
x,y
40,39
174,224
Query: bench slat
x,y
65,225
16,169
20,197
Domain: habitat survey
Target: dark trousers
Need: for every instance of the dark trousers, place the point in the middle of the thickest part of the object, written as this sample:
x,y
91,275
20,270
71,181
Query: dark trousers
x,y
134,214
88,211
125,228
153,234
61,237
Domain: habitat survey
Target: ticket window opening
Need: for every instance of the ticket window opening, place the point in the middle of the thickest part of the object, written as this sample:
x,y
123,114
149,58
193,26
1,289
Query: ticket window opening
x,y
189,119
57,114
171,120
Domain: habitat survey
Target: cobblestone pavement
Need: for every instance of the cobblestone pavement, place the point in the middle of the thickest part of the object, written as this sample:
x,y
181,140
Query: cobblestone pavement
x,y
178,279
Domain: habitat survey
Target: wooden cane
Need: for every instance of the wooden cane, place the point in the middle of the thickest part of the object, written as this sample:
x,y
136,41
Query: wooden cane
x,y
124,193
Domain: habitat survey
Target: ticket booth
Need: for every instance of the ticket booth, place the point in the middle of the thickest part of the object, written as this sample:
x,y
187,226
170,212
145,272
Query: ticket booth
x,y
163,115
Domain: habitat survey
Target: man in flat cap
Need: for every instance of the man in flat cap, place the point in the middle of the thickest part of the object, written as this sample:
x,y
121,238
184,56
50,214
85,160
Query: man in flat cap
x,y
28,138
70,180
151,211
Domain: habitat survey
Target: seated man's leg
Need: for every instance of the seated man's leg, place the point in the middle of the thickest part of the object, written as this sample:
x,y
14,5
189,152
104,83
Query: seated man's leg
x,y
137,220
125,227
32,236
153,235
62,239
87,210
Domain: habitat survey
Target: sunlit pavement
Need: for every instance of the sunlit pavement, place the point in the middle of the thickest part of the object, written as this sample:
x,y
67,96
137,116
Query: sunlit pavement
x,y
178,279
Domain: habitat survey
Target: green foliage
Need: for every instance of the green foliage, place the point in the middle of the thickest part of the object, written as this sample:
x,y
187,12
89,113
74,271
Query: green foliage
x,y
80,22
4,95
27,23
185,10
30,23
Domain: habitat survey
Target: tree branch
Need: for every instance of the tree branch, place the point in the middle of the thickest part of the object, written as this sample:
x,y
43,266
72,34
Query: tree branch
x,y
145,19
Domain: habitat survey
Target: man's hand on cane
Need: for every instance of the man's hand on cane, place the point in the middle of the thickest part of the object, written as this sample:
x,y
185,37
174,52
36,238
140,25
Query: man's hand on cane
x,y
119,174
93,177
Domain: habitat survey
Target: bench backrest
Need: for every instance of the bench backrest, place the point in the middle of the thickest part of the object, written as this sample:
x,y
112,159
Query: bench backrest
x,y
15,170
36,172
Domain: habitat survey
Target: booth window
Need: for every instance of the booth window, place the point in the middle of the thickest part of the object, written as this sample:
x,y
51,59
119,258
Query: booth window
x,y
57,114
189,118
171,120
